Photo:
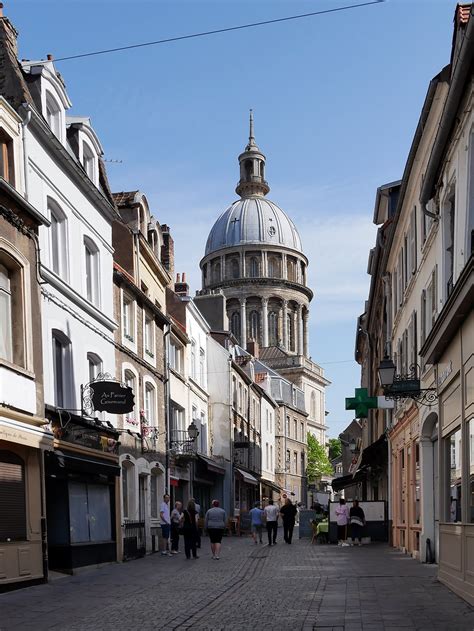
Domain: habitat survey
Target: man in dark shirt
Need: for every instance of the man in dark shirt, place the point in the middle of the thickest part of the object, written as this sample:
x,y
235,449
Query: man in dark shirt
x,y
288,513
357,521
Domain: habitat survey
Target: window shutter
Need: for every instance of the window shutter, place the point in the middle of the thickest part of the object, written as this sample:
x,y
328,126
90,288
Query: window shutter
x,y
413,242
434,294
12,497
423,316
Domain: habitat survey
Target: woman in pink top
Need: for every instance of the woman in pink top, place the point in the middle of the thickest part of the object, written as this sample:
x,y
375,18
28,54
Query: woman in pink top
x,y
342,519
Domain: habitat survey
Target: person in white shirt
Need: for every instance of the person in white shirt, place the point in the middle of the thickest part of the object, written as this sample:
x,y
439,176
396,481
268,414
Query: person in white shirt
x,y
342,519
165,523
271,517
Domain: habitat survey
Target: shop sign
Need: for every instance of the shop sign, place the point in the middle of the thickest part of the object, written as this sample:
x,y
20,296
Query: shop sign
x,y
112,397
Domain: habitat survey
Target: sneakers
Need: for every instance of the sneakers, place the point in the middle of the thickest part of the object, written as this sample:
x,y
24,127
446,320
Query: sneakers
x,y
345,545
216,558
174,552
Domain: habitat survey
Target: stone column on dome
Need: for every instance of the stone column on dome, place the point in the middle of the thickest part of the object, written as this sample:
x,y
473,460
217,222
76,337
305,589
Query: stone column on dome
x,y
305,332
265,321
264,264
284,271
243,322
285,324
299,331
242,264
222,267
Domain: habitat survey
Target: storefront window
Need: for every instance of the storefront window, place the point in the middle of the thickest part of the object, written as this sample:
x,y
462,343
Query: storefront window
x,y
471,470
453,445
89,512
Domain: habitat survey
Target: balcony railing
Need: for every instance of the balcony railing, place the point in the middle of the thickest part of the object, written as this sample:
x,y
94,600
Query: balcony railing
x,y
181,444
134,542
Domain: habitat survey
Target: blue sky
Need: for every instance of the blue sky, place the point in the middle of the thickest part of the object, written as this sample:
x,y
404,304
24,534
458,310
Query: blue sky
x,y
336,101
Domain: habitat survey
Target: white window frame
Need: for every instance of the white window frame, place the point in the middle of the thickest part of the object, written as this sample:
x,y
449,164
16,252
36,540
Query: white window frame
x,y
58,240
150,405
54,115
92,271
149,350
129,319
58,337
132,418
89,161
6,327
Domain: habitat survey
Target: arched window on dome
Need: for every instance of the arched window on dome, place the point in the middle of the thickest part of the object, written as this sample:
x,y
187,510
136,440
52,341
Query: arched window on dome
x,y
235,324
290,322
254,267
234,268
273,328
273,267
254,326
291,270
216,273
262,170
248,170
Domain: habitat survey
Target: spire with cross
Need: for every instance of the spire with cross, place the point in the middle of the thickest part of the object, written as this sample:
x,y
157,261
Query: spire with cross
x,y
252,168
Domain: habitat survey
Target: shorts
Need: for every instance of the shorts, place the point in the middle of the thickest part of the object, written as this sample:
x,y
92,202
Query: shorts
x,y
215,534
257,528
165,531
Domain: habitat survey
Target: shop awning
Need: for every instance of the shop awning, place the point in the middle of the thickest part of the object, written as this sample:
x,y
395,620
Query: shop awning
x,y
246,477
212,465
347,480
272,485
24,434
63,462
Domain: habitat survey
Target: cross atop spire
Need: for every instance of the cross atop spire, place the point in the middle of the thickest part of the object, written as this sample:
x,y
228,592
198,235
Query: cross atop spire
x,y
251,146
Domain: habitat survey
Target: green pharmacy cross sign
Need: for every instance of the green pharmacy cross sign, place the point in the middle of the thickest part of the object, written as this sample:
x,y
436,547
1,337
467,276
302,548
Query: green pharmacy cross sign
x,y
361,403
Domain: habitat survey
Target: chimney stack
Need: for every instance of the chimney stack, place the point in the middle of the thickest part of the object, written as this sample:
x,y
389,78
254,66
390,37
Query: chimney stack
x,y
253,348
181,288
49,57
167,251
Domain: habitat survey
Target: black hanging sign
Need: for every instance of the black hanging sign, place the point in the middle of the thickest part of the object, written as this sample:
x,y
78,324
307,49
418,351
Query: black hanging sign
x,y
112,397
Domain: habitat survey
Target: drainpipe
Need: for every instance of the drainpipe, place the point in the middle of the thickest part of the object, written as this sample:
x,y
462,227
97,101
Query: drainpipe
x,y
166,384
24,125
231,439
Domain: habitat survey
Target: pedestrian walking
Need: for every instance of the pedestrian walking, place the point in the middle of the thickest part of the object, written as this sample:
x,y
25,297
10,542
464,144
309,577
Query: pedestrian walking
x,y
357,520
165,523
271,516
176,518
342,519
190,518
199,531
256,522
288,513
214,523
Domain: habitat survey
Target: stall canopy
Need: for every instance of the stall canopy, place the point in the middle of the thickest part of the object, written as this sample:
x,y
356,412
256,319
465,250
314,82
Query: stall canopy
x,y
211,465
246,477
373,457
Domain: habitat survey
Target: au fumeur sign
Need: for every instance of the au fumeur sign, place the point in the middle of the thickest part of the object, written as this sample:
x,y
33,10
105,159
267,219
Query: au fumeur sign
x,y
110,396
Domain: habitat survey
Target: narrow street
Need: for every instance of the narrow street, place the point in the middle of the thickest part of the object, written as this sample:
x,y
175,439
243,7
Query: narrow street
x,y
301,586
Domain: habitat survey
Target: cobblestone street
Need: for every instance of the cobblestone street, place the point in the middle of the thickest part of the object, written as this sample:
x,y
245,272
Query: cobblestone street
x,y
373,588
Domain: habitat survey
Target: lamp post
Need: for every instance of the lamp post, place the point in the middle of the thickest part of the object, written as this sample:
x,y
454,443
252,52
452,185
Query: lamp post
x,y
404,386
193,433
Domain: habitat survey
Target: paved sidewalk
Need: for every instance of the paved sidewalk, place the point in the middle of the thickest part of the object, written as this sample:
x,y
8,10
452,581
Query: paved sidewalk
x,y
297,587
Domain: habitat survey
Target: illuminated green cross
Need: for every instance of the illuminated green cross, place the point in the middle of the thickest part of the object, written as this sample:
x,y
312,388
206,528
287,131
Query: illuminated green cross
x,y
361,403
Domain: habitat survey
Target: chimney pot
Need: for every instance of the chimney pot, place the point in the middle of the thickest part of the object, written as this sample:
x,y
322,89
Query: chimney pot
x,y
49,57
184,277
178,278
1,9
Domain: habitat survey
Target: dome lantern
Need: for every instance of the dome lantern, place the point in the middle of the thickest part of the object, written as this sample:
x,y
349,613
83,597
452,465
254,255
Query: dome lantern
x,y
252,168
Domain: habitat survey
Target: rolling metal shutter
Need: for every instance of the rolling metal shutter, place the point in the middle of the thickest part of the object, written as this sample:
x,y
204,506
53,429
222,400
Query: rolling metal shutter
x,y
12,497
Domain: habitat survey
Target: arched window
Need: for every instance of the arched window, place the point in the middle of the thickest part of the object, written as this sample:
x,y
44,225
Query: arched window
x,y
234,266
254,326
95,365
91,253
248,170
7,165
291,270
62,370
273,267
53,115
150,403
58,239
291,332
216,273
12,497
88,161
273,328
254,267
235,324
6,335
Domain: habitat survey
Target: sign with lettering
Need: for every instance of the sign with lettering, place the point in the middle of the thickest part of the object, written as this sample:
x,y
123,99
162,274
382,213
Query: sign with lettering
x,y
110,396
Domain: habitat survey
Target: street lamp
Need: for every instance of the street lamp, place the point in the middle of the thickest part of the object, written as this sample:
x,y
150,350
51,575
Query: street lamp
x,y
193,431
400,386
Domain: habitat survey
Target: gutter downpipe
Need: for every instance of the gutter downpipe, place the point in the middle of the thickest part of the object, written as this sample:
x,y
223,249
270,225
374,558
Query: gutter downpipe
x,y
465,58
166,384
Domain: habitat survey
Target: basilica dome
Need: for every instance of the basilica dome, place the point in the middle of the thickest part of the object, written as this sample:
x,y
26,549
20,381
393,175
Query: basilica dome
x,y
253,221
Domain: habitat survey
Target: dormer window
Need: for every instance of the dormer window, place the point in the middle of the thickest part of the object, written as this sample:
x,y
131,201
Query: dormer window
x,y
53,115
88,161
6,158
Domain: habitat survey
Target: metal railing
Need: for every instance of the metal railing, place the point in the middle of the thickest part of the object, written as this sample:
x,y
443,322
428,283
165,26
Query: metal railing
x,y
134,540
